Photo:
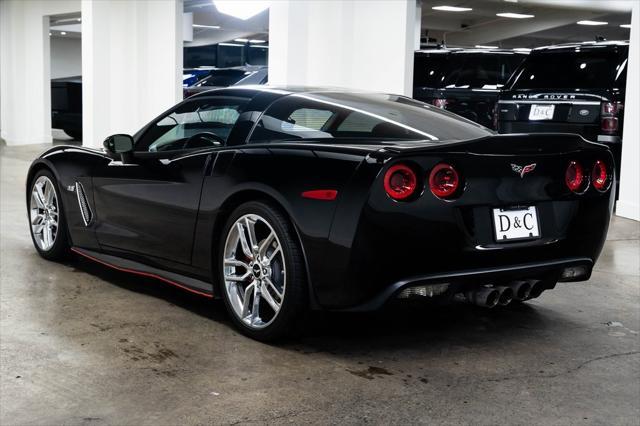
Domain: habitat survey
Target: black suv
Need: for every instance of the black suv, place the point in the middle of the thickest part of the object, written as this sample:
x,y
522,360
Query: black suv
x,y
569,88
464,81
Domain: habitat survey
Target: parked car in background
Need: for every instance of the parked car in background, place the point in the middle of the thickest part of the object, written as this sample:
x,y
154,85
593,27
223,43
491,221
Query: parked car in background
x,y
66,105
570,88
191,76
464,81
225,77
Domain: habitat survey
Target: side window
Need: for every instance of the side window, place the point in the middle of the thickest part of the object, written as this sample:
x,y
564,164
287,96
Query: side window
x,y
293,123
292,118
196,124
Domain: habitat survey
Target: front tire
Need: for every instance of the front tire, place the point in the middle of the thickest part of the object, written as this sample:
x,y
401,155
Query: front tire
x,y
262,274
47,222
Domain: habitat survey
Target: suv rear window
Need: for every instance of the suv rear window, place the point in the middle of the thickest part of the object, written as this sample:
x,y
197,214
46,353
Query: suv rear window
x,y
586,69
460,70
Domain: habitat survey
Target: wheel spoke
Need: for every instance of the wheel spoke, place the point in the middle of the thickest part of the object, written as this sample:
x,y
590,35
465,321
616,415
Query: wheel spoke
x,y
270,284
246,249
37,219
236,263
255,310
274,253
246,299
269,298
264,245
48,235
38,196
236,278
251,230
48,193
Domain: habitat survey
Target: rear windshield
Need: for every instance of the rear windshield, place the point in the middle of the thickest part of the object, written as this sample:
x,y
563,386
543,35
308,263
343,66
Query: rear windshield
x,y
225,78
579,69
374,117
466,70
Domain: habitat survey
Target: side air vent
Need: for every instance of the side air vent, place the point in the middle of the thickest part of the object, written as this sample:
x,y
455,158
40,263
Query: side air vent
x,y
85,210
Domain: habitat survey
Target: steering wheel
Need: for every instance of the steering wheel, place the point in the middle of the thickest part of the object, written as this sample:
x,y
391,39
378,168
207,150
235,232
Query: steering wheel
x,y
203,140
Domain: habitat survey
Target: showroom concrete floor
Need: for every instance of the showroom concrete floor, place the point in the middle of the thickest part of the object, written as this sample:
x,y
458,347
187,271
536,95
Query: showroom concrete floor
x,y
84,345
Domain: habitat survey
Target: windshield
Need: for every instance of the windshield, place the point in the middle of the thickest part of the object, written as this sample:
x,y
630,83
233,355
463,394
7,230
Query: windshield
x,y
335,115
580,69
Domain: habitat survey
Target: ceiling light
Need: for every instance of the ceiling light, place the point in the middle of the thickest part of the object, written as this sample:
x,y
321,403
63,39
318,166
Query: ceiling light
x,y
257,41
625,26
63,33
79,19
214,27
587,22
514,15
522,49
480,46
241,40
452,8
49,33
241,9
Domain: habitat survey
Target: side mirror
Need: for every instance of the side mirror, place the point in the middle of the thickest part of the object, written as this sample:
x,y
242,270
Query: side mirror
x,y
119,146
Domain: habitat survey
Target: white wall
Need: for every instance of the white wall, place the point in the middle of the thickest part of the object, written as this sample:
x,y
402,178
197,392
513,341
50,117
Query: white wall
x,y
25,88
132,64
66,57
629,202
355,44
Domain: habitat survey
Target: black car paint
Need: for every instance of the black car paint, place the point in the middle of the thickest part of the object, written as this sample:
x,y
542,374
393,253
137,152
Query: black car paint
x,y
359,246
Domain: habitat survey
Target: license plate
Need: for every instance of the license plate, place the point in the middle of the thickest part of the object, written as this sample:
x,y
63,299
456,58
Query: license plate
x,y
541,112
516,224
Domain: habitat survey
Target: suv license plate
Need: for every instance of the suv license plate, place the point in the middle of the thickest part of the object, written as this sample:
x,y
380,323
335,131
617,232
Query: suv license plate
x,y
541,112
516,224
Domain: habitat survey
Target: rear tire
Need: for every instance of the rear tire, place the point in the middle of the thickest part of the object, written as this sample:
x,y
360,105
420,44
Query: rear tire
x,y
259,258
47,222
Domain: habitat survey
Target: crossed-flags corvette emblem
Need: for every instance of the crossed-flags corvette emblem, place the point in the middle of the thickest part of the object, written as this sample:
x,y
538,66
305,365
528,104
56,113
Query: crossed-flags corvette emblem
x,y
523,170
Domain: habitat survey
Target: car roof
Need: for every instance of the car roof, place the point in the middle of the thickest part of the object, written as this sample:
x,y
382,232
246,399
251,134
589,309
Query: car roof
x,y
463,51
583,45
282,90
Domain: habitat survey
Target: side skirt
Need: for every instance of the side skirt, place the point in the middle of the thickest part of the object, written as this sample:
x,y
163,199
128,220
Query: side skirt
x,y
192,285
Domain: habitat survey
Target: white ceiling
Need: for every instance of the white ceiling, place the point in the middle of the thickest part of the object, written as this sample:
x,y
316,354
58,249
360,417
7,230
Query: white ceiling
x,y
554,22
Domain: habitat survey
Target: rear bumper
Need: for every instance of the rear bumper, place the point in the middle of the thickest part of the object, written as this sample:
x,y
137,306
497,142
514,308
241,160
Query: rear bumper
x,y
460,281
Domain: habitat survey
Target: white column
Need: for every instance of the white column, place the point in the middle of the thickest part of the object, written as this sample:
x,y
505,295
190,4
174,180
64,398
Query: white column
x,y
629,203
25,86
365,45
131,64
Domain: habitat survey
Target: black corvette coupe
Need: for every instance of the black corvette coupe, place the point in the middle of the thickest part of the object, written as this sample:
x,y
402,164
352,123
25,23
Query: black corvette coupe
x,y
280,200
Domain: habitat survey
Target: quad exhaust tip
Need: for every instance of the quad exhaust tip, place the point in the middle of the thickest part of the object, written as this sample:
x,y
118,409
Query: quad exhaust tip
x,y
489,297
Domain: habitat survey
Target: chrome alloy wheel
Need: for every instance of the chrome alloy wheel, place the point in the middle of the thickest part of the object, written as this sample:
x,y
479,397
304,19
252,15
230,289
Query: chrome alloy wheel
x,y
254,271
43,213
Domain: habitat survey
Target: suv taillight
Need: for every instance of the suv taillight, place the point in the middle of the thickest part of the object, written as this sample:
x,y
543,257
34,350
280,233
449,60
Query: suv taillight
x,y
440,103
609,116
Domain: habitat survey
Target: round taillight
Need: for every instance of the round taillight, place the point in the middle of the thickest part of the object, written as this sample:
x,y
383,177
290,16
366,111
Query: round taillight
x,y
444,181
574,177
600,176
400,182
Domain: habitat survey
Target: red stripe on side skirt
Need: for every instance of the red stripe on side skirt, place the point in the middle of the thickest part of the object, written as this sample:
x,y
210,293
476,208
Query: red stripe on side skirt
x,y
143,274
